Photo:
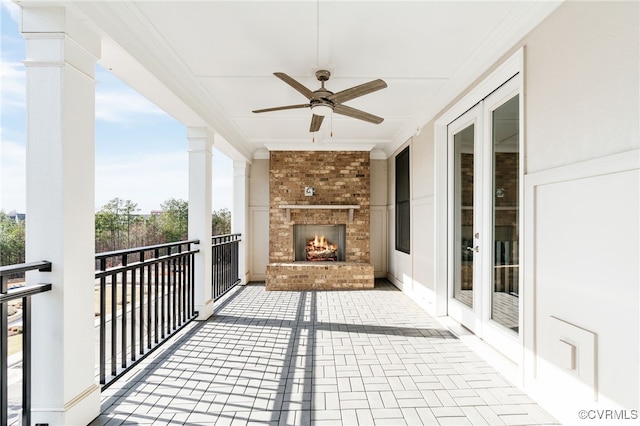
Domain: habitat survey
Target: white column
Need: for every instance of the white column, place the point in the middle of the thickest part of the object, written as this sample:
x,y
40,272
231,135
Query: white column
x,y
61,57
239,216
200,184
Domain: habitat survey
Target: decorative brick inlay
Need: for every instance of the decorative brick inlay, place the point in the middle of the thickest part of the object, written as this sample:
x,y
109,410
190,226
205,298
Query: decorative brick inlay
x,y
339,178
319,276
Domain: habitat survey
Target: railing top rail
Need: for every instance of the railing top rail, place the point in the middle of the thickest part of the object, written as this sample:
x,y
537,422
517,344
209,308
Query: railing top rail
x,y
226,235
145,248
135,265
20,292
41,265
220,240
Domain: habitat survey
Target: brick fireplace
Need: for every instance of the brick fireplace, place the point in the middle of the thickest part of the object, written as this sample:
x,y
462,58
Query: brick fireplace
x,y
340,182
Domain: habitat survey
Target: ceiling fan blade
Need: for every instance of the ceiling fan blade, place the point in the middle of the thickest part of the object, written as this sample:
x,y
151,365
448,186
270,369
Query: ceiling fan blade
x,y
282,107
358,91
356,113
295,84
316,121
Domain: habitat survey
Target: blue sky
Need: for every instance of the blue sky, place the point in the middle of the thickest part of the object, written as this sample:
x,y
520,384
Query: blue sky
x,y
141,152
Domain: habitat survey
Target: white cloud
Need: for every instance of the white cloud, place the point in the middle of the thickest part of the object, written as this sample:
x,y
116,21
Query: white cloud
x,y
151,179
12,176
13,85
124,107
148,180
13,9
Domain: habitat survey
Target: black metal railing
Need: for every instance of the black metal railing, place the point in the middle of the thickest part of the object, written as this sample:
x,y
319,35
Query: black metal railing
x,y
146,295
7,296
224,263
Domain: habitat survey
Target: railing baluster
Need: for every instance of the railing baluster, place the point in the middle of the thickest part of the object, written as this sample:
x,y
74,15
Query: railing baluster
x,y
103,318
141,285
184,289
179,291
174,279
162,298
114,324
4,338
193,279
133,314
157,301
149,298
123,313
26,360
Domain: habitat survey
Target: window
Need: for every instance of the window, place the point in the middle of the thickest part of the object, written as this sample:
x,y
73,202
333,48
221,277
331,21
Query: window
x,y
403,203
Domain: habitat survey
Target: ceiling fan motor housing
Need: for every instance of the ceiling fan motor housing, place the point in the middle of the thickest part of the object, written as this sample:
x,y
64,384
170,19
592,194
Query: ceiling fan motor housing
x,y
323,75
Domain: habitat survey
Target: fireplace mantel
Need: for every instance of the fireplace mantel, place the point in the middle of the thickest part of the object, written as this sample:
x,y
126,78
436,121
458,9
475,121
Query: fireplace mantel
x,y
350,207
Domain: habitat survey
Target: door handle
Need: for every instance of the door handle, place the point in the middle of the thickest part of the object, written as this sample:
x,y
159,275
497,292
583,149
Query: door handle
x,y
476,249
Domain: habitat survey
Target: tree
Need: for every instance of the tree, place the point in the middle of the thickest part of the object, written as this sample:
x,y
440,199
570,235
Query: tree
x,y
153,230
114,223
221,222
175,220
11,240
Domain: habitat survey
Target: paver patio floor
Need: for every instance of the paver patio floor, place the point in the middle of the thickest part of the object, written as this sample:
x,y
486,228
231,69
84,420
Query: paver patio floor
x,y
370,357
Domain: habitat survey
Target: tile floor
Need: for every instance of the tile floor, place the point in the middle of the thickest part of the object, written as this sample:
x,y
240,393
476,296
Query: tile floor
x,y
369,357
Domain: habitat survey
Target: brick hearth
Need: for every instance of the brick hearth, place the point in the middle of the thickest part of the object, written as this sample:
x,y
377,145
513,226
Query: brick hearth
x,y
339,178
319,276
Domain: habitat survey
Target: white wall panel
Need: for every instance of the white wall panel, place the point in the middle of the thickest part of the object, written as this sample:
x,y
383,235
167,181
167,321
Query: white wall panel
x,y
378,244
259,234
582,269
423,250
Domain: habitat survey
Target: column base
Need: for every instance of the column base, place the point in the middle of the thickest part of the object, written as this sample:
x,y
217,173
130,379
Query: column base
x,y
81,410
205,311
244,278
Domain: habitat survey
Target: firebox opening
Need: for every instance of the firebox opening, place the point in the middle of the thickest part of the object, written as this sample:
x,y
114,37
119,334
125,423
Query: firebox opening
x,y
319,243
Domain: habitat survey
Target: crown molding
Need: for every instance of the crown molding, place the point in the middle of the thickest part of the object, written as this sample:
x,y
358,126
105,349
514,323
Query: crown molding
x,y
319,147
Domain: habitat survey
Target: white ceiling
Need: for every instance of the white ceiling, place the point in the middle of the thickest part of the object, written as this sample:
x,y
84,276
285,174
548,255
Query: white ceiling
x,y
212,62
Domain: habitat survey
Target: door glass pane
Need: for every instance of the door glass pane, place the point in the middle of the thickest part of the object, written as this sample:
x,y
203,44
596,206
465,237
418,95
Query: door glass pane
x,y
506,235
463,146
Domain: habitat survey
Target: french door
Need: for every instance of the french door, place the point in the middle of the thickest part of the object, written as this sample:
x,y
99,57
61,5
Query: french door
x,y
484,219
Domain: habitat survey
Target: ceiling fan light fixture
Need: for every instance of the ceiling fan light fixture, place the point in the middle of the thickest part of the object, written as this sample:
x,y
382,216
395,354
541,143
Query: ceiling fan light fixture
x,y
321,110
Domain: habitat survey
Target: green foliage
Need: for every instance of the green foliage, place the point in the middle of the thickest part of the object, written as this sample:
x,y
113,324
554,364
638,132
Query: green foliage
x,y
117,225
175,220
11,240
221,222
153,230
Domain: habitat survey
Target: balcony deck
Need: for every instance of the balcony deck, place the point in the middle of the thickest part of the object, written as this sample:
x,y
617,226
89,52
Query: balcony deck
x,y
316,358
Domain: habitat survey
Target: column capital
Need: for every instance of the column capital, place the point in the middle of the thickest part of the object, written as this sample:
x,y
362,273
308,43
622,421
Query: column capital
x,y
200,133
52,33
241,168
200,139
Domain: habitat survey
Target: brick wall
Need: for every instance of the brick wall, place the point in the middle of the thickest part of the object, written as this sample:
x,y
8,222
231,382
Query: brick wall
x,y
339,177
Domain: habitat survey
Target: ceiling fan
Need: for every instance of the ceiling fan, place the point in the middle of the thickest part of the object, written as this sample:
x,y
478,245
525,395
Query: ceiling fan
x,y
322,101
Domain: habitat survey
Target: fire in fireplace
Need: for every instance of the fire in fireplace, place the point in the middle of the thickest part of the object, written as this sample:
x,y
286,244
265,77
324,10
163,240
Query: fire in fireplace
x,y
316,243
320,249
